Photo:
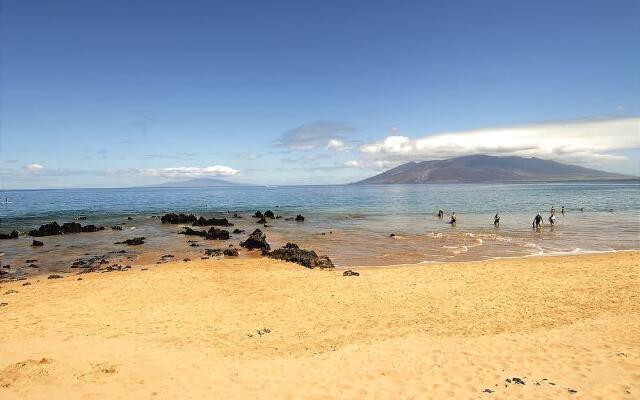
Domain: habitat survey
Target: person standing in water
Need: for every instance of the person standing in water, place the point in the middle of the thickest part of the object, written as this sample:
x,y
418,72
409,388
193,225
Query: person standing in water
x,y
440,214
562,210
496,220
537,222
454,219
552,219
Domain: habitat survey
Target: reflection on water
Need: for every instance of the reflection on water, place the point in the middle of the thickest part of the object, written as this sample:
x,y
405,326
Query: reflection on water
x,y
351,224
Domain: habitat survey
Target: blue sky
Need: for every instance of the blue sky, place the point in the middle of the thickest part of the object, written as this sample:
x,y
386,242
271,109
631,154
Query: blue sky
x,y
121,93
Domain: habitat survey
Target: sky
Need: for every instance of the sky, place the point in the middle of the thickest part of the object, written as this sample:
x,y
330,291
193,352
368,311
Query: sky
x,y
123,93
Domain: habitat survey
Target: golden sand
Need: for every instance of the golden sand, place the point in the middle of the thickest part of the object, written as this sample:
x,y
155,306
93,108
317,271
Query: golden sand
x,y
568,327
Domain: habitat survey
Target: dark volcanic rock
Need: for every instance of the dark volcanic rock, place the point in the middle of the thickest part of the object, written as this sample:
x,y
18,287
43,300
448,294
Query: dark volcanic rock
x,y
350,273
262,221
307,258
213,252
269,214
212,222
231,252
116,228
55,276
212,234
12,235
54,228
299,218
37,243
133,242
238,231
178,218
256,240
258,214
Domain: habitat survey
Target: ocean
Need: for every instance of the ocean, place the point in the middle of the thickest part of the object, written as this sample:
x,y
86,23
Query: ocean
x,y
351,224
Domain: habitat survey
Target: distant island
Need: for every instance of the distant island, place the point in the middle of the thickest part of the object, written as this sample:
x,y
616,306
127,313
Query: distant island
x,y
483,168
199,182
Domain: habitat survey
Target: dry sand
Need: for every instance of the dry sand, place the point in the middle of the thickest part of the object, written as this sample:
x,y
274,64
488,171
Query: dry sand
x,y
190,330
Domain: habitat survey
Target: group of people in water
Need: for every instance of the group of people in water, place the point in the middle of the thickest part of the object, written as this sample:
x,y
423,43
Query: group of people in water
x,y
537,220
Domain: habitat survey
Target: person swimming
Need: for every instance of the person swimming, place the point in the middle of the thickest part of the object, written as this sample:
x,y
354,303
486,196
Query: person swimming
x,y
440,214
537,221
454,219
496,220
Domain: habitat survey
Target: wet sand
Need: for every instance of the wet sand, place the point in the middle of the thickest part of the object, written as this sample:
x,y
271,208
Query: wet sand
x,y
567,327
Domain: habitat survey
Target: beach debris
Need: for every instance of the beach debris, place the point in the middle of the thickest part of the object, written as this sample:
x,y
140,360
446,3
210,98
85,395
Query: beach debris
x,y
173,218
269,214
291,252
263,331
117,227
238,231
515,381
13,235
299,218
54,228
571,390
37,243
212,222
212,234
256,240
350,273
136,241
54,276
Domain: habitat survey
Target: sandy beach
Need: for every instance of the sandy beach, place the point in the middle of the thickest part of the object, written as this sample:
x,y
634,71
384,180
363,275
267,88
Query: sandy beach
x,y
563,327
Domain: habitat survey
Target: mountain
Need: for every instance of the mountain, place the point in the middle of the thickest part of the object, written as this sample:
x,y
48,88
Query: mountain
x,y
199,182
482,168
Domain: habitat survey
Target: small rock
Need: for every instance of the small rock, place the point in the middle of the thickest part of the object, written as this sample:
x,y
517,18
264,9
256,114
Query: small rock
x,y
37,243
26,284
350,273
487,390
54,276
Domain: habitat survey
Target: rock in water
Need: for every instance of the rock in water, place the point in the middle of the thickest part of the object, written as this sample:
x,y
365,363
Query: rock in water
x,y
256,240
212,222
136,241
13,235
37,243
299,218
307,258
258,214
54,228
212,234
173,218
269,214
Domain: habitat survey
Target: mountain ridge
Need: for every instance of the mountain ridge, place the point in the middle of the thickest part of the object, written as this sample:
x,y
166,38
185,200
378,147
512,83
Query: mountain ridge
x,y
488,169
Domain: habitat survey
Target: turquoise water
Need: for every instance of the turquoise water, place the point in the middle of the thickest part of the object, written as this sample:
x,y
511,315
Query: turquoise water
x,y
351,224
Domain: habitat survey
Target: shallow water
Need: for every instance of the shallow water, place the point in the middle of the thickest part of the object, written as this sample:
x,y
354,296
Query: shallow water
x,y
351,224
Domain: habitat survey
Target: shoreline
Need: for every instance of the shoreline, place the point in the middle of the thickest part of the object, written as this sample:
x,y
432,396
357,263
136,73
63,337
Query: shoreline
x,y
262,328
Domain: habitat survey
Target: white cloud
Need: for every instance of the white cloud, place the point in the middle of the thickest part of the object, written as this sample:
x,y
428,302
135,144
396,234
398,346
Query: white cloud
x,y
587,142
314,134
189,172
337,145
33,167
354,164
